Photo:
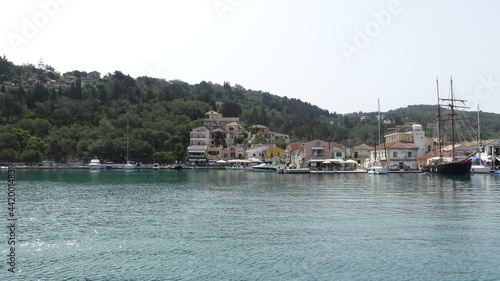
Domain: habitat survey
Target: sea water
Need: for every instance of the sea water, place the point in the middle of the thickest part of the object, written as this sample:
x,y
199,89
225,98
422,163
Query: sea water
x,y
238,225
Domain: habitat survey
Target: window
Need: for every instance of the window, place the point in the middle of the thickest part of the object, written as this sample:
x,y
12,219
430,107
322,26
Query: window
x,y
410,155
318,152
394,154
338,154
355,154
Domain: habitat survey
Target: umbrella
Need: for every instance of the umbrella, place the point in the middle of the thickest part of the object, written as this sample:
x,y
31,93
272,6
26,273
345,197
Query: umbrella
x,y
327,162
221,161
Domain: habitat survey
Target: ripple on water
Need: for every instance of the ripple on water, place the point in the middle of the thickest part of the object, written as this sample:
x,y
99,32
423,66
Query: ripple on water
x,y
213,225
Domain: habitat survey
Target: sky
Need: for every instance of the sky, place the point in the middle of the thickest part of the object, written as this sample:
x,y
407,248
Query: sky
x,y
341,55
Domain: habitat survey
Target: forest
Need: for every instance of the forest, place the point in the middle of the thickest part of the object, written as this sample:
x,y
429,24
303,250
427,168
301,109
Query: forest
x,y
42,117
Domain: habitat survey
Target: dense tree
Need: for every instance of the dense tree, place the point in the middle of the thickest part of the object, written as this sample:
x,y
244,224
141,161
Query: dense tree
x,y
82,121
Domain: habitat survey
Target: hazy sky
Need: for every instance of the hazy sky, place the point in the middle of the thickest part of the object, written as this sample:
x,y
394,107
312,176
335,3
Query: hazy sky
x,y
338,54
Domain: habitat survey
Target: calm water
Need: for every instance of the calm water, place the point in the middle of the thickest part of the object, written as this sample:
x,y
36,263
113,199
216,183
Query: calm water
x,y
234,225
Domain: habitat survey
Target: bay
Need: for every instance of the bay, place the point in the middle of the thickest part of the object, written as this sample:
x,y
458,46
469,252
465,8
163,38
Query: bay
x,y
234,225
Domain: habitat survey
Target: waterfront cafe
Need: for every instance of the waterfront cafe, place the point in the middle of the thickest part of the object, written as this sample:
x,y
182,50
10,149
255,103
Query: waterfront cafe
x,y
325,164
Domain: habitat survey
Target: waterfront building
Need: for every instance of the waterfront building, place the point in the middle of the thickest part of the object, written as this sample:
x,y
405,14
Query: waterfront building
x,y
398,156
258,151
411,133
295,154
275,154
361,153
321,154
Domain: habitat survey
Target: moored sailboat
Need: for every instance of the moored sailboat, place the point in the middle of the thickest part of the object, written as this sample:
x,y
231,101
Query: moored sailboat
x,y
130,165
478,165
453,167
379,166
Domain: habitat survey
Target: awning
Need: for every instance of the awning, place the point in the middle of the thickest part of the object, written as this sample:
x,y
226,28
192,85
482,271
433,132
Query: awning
x,y
324,160
317,147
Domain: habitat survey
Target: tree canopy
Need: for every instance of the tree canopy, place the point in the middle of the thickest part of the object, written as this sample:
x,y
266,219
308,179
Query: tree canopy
x,y
44,114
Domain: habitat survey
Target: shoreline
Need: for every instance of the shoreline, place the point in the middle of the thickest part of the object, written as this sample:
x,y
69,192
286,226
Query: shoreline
x,y
285,171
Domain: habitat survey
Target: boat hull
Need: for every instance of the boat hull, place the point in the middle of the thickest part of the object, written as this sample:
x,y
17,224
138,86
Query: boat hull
x,y
450,169
129,167
235,168
377,170
94,167
263,170
480,169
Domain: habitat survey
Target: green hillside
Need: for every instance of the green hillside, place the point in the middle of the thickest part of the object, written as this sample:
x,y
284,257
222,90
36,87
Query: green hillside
x,y
72,116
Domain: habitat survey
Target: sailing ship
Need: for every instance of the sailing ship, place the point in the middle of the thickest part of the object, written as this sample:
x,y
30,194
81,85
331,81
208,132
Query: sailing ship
x,y
379,167
454,166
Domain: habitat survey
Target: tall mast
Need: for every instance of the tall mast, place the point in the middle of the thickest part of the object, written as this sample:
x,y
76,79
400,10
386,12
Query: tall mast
x,y
127,140
453,106
378,101
438,120
452,117
478,128
379,120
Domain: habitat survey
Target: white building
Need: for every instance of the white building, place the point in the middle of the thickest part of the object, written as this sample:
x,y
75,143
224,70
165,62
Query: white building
x,y
410,134
398,156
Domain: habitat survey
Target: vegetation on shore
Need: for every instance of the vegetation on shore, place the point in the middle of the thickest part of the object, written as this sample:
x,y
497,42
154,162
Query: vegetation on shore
x,y
86,120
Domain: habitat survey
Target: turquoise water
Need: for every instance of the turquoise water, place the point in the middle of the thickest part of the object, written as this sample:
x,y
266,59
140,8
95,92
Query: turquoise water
x,y
235,225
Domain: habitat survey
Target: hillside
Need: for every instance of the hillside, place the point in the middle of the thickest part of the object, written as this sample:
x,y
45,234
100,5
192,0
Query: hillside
x,y
79,115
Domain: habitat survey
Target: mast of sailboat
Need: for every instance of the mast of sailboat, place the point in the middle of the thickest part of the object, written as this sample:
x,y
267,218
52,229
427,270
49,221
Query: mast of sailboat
x,y
452,117
439,121
127,140
478,128
452,114
379,120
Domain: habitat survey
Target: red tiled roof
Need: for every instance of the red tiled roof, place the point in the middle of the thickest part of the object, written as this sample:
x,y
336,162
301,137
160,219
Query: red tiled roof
x,y
395,145
294,146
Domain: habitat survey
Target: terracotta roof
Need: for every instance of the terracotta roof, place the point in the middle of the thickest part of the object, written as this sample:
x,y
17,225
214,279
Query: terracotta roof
x,y
395,145
362,147
294,146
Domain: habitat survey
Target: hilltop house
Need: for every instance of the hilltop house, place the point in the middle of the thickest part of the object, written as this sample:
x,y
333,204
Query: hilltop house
x,y
269,135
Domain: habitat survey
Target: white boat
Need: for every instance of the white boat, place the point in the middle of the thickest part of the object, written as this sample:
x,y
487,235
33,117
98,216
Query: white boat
x,y
376,170
95,164
480,169
235,167
479,166
265,167
129,166
156,166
